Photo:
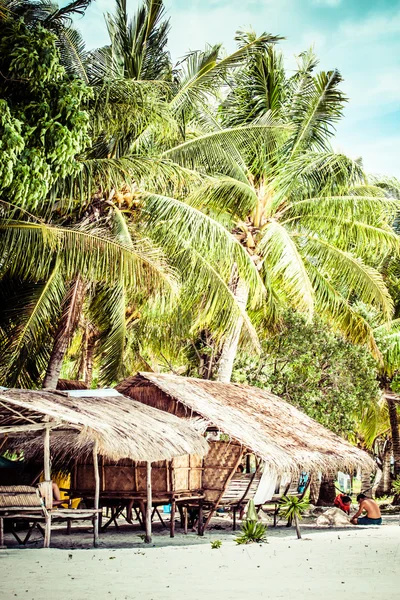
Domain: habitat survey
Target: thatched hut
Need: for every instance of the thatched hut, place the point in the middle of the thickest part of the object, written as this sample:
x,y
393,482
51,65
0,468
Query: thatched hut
x,y
110,426
245,420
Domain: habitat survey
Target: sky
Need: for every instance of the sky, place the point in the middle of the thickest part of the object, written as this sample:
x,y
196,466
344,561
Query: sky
x,y
361,38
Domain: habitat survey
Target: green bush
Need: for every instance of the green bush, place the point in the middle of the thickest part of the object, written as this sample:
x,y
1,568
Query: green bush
x,y
216,544
396,485
252,531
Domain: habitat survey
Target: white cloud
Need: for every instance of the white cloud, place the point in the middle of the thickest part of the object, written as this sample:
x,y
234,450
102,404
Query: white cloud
x,y
373,27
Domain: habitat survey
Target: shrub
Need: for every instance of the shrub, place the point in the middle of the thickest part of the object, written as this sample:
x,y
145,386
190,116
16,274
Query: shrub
x,y
252,531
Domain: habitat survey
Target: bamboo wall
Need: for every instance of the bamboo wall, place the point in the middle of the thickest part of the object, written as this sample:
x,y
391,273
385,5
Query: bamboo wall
x,y
126,477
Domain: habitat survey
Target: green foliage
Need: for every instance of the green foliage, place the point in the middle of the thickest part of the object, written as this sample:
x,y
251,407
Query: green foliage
x,y
216,544
43,127
318,371
396,485
252,531
292,509
292,506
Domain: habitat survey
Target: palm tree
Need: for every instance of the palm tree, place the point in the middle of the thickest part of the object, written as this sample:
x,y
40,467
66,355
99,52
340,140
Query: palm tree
x,y
123,181
292,508
304,214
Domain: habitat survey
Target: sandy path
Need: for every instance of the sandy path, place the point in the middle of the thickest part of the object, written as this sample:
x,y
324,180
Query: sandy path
x,y
361,563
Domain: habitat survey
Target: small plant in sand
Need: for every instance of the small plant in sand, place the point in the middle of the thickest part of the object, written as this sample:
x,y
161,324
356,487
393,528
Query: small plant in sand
x,y
252,530
216,544
292,509
396,489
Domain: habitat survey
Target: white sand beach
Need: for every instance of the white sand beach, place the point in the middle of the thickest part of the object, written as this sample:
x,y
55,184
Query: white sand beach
x,y
327,563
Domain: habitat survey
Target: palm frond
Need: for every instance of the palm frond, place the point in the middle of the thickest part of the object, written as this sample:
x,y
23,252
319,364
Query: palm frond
x,y
348,271
284,265
203,72
174,223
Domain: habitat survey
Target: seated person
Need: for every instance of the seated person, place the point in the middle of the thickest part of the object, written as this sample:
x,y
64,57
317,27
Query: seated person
x,y
55,499
373,516
343,502
57,495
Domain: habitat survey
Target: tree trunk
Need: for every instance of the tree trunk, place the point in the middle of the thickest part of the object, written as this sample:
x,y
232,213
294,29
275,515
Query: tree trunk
x,y
87,370
296,522
315,487
366,484
68,323
229,349
394,427
327,492
385,485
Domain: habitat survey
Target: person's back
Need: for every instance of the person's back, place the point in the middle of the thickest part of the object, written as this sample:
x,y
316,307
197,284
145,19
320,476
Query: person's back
x,y
373,516
371,508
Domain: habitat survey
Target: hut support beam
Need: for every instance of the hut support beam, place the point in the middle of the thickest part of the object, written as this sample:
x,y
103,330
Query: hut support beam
x,y
46,453
96,493
172,522
149,504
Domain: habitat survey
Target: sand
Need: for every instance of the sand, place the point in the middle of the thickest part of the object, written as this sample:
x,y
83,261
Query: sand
x,y
355,562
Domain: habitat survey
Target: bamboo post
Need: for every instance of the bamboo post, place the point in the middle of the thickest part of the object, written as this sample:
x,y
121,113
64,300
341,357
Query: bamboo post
x,y
2,533
172,522
185,519
200,527
149,504
96,493
47,531
46,453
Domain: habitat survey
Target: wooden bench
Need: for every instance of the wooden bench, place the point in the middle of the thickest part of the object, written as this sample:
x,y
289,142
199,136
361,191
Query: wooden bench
x,y
35,505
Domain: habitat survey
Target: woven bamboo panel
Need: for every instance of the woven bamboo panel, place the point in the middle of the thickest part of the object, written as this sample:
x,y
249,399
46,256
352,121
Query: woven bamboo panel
x,y
19,496
196,472
118,479
84,477
184,473
218,465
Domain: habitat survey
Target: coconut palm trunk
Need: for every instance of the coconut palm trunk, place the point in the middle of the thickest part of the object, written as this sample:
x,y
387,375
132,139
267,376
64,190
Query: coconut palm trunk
x,y
229,349
68,323
394,426
315,487
327,490
385,484
366,485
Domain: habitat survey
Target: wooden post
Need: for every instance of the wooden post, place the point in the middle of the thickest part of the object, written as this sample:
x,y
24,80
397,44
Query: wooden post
x,y
200,527
46,453
185,519
234,518
96,493
47,531
172,522
149,504
2,533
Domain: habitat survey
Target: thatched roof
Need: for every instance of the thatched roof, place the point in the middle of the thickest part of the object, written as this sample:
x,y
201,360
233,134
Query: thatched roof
x,y
71,384
123,427
279,433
